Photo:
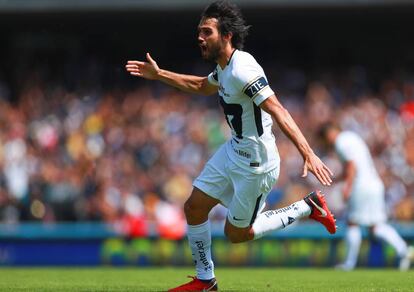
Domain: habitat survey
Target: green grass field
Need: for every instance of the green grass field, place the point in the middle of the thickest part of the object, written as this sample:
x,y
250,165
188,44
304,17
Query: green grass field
x,y
230,279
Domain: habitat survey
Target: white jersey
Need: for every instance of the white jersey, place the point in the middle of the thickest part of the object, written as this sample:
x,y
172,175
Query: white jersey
x,y
366,204
351,147
243,87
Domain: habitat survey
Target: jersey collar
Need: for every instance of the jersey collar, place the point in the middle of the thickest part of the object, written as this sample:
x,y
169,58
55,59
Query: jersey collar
x,y
231,56
228,62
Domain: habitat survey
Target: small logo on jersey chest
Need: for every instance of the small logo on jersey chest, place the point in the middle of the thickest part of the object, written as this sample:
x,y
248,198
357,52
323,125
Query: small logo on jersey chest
x,y
222,91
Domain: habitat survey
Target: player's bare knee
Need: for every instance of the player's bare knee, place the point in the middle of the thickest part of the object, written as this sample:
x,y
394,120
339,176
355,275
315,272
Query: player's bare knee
x,y
190,209
198,206
195,212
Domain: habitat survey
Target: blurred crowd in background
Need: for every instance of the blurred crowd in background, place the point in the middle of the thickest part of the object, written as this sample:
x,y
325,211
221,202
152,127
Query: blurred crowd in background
x,y
129,155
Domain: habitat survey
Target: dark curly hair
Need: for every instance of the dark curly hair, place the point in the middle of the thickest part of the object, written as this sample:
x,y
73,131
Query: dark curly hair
x,y
230,20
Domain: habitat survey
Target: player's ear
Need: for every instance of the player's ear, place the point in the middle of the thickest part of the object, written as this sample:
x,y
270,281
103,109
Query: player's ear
x,y
227,37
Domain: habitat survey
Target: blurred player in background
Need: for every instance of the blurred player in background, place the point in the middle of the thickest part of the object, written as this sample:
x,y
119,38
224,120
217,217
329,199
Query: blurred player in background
x,y
363,191
243,170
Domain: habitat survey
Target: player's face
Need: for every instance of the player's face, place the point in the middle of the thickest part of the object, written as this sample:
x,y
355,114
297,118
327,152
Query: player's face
x,y
209,39
330,137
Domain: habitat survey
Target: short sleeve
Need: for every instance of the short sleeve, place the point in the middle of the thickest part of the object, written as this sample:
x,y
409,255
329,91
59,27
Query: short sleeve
x,y
253,83
213,77
343,147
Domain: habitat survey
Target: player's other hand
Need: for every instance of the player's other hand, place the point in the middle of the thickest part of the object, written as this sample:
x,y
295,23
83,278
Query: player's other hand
x,y
313,164
148,70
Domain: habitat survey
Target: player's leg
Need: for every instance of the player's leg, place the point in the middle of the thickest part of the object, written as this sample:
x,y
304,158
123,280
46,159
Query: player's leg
x,y
208,191
198,206
266,222
313,206
353,239
365,208
375,215
272,220
196,210
243,222
407,260
388,234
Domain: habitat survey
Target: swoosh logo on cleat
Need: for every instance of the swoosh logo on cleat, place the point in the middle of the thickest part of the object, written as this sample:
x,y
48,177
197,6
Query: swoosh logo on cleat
x,y
323,212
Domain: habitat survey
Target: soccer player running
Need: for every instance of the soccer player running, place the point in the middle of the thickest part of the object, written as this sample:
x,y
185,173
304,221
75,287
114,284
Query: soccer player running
x,y
243,170
364,193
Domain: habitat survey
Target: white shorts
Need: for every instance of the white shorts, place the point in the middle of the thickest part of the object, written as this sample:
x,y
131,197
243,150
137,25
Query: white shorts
x,y
244,193
367,205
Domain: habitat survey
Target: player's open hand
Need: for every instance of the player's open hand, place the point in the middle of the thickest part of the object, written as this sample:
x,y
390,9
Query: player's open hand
x,y
313,164
148,70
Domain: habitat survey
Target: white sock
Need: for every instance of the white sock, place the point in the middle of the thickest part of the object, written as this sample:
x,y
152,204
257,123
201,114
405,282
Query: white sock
x,y
353,242
276,219
199,238
389,235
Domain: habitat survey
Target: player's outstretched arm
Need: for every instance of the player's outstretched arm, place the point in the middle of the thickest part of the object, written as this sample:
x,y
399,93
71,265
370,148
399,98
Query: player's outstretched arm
x,y
286,123
188,83
349,177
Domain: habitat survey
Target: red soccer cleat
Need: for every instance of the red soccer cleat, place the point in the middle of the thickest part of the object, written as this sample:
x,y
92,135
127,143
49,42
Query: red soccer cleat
x,y
320,211
197,285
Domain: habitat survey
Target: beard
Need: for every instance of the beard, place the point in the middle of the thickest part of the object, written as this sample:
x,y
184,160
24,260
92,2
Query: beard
x,y
212,54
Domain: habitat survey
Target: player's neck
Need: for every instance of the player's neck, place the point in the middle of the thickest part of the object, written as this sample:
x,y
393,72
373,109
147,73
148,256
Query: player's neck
x,y
225,57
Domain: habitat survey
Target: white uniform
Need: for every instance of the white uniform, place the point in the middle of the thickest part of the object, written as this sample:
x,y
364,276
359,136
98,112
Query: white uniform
x,y
366,203
243,171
